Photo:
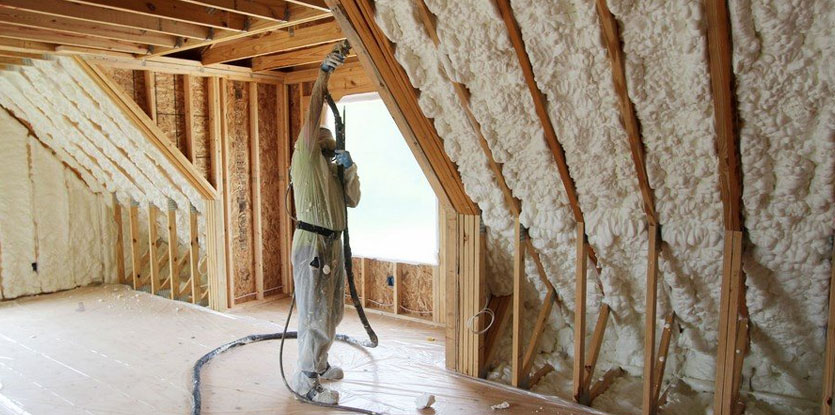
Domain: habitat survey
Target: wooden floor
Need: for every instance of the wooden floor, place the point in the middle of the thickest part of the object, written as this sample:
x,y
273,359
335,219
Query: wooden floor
x,y
110,350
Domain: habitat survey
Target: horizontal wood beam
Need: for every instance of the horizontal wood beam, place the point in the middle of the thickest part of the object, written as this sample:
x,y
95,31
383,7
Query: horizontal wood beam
x,y
277,41
295,14
178,66
298,57
96,30
313,4
268,9
176,10
5,60
25,46
24,55
40,35
95,14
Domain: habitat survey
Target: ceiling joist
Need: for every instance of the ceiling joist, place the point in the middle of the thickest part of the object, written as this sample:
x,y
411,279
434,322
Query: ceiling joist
x,y
41,35
268,10
277,41
96,14
293,58
177,10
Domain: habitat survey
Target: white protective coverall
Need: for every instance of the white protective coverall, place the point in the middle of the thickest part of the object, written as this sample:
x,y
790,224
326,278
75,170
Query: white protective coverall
x,y
318,263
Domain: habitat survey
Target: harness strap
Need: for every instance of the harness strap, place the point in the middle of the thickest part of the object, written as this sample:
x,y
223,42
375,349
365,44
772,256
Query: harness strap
x,y
328,233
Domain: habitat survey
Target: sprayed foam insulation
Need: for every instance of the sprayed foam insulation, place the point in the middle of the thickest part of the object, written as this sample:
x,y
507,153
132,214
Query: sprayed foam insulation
x,y
240,187
51,226
783,63
271,192
380,294
415,289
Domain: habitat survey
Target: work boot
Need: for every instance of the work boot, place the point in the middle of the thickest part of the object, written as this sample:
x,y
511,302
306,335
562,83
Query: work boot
x,y
324,395
332,373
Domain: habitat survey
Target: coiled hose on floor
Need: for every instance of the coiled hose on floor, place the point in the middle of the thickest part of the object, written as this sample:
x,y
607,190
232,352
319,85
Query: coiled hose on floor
x,y
254,338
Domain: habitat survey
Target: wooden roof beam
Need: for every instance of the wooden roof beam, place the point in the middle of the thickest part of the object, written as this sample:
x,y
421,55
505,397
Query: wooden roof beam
x,y
294,13
277,41
27,55
267,10
539,101
47,36
293,58
95,30
356,17
313,4
177,10
94,14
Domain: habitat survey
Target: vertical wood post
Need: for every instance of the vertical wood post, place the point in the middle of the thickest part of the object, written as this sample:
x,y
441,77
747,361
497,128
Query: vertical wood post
x,y
215,148
215,255
173,256
150,94
518,274
285,203
829,360
725,398
153,235
227,191
194,257
136,260
255,157
188,108
120,241
580,392
650,407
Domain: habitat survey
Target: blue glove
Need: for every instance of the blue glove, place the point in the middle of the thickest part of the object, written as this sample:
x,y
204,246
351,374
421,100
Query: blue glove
x,y
332,61
343,158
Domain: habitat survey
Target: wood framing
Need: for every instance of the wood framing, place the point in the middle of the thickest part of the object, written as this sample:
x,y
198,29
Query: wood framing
x,y
193,256
176,10
395,272
538,329
356,18
255,172
214,127
725,397
227,193
119,247
216,259
277,41
298,57
285,202
594,347
829,356
185,67
173,255
153,260
150,94
517,375
63,38
135,258
580,392
661,359
605,381
260,10
501,310
648,404
188,115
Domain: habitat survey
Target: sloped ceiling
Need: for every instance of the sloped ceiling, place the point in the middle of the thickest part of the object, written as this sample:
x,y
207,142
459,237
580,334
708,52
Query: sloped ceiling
x,y
784,65
71,114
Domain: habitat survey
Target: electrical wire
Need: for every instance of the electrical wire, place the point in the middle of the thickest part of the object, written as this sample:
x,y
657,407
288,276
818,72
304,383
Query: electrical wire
x,y
485,310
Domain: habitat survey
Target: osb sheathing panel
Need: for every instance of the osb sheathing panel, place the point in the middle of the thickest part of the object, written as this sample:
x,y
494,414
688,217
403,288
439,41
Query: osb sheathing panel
x,y
356,262
378,291
170,107
415,289
200,124
124,78
240,188
271,193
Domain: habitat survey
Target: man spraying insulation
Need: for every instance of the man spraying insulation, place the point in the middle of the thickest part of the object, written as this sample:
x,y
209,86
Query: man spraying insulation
x,y
318,262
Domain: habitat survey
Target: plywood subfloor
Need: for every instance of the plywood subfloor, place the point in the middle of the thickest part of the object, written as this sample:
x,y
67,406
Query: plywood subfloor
x,y
110,350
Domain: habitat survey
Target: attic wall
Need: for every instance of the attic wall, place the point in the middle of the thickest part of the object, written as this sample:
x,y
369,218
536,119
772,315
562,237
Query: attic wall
x,y
55,232
782,63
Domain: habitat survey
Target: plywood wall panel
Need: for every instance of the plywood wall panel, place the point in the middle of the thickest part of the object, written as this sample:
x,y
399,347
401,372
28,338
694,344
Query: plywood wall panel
x,y
416,289
380,294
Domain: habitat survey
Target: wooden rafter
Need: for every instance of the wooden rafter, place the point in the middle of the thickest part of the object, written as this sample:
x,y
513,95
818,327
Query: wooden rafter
x,y
293,58
94,14
733,311
356,18
314,4
25,46
268,10
540,106
22,55
296,15
48,36
176,10
74,26
277,41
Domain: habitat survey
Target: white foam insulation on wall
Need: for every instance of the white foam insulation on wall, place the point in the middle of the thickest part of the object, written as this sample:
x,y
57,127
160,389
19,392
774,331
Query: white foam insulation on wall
x,y
85,130
51,229
785,68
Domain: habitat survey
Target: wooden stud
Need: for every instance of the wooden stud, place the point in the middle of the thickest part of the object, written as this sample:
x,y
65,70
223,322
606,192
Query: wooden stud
x,y
448,237
173,256
648,403
661,360
136,265
153,235
215,148
193,257
395,273
539,328
594,347
217,291
227,187
518,274
729,306
604,382
120,241
580,393
188,114
277,41
150,95
255,157
286,201
829,360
